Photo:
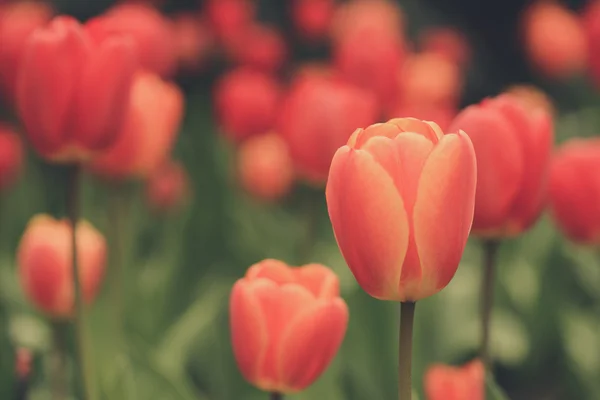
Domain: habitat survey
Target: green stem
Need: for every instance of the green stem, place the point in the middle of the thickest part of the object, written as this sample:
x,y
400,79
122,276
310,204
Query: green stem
x,y
275,396
59,361
407,317
490,250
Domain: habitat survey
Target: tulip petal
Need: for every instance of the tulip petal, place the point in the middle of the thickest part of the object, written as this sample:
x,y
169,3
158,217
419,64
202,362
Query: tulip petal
x,y
430,130
320,280
274,270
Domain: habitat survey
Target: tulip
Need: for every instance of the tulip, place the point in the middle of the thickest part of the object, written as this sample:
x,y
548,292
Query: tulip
x,y
442,115
286,324
246,103
168,187
456,383
532,98
448,43
513,153
400,197
312,18
260,47
367,15
73,89
11,157
229,17
44,259
148,134
193,41
591,25
575,190
318,116
265,168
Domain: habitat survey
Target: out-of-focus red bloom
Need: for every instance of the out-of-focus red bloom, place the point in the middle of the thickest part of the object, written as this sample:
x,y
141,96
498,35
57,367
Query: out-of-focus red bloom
x,y
150,30
513,149
444,382
193,41
318,117
575,190
287,324
167,188
11,157
400,197
312,18
23,360
17,21
149,132
448,43
228,18
365,16
556,56
44,258
246,103
73,90
265,168
258,46
591,24
532,98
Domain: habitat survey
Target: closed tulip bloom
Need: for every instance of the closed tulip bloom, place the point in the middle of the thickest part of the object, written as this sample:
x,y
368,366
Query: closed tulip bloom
x,y
193,41
11,157
575,190
513,152
286,324
532,98
260,47
444,382
228,18
400,197
312,18
73,90
148,133
167,188
44,258
448,43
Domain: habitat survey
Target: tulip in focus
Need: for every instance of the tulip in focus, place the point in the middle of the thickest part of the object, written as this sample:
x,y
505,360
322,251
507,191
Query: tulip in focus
x,y
513,149
148,134
575,190
443,382
367,15
265,168
167,188
286,324
400,197
312,18
11,157
44,257
260,47
73,90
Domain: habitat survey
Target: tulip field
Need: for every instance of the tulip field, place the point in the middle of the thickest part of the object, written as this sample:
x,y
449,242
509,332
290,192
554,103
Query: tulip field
x,y
299,200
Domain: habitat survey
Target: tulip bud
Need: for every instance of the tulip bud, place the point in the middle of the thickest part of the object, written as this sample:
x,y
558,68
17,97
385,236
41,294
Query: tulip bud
x,y
148,133
246,103
448,43
456,383
312,18
286,324
318,117
229,17
366,16
11,157
265,168
44,258
513,152
23,361
73,89
167,188
259,47
193,41
575,190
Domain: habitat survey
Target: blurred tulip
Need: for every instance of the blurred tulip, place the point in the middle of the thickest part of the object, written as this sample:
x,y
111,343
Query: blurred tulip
x,y
318,117
193,41
150,30
443,382
11,157
556,56
575,190
532,98
44,258
265,168
286,324
383,16
17,21
312,18
591,25
148,133
73,90
167,188
23,361
448,43
229,17
246,103
513,152
400,197
260,47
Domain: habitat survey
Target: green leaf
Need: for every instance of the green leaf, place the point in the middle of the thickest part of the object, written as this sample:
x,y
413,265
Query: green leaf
x,y
493,391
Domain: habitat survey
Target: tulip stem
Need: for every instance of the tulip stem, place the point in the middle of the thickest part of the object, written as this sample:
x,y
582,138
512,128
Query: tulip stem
x,y
276,396
407,317
490,250
58,360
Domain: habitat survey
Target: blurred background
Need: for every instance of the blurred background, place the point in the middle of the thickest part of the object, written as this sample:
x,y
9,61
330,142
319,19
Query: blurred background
x,y
186,236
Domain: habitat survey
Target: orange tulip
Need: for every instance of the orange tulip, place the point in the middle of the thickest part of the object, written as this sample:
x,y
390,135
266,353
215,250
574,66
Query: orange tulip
x,y
73,90
456,383
149,132
265,168
513,153
312,18
400,197
11,157
168,187
575,190
286,324
44,258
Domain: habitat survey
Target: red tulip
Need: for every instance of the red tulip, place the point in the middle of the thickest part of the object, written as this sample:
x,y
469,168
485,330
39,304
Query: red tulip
x,y
383,16
260,47
400,197
513,153
318,117
17,21
44,258
11,157
23,362
193,41
448,43
229,17
265,168
73,90
149,132
312,18
456,383
532,98
167,188
575,190
286,324
246,103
